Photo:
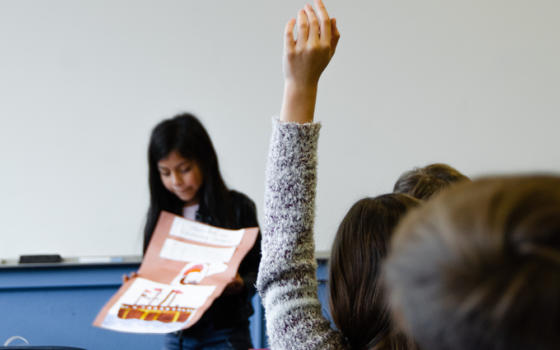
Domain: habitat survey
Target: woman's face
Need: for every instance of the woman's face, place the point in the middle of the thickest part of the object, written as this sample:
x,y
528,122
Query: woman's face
x,y
180,176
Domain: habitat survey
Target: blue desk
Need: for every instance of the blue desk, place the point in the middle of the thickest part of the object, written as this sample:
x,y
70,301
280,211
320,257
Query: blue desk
x,y
56,304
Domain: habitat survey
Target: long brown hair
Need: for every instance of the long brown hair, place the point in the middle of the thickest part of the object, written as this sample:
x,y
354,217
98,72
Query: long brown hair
x,y
357,302
478,267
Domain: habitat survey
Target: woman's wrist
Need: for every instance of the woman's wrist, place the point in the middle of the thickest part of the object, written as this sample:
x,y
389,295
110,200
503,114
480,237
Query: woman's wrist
x,y
298,103
296,87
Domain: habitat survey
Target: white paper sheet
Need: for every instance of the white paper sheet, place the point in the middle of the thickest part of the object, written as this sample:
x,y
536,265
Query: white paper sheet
x,y
197,232
175,250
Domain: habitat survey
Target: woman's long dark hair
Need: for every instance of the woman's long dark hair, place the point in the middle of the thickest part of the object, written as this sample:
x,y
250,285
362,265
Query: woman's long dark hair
x,y
185,134
358,307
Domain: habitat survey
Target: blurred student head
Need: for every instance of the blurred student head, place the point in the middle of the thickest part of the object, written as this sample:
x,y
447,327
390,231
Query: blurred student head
x,y
422,183
478,267
358,306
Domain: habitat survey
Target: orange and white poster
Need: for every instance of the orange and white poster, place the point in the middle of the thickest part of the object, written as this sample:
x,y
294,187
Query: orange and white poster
x,y
186,267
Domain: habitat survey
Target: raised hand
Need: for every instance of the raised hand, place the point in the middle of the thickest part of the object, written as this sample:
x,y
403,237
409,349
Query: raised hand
x,y
305,58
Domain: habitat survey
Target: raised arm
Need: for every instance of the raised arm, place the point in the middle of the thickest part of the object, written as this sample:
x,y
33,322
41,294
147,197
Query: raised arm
x,y
287,279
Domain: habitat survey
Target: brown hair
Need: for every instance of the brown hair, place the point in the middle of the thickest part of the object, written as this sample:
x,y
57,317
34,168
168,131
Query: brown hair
x,y
357,304
424,182
478,267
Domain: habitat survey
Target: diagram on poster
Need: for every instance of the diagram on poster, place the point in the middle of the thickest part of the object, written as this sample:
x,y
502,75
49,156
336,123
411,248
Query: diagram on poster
x,y
186,267
147,302
193,273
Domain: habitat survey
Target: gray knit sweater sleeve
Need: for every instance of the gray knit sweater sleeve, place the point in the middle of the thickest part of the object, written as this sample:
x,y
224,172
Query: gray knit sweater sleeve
x,y
287,279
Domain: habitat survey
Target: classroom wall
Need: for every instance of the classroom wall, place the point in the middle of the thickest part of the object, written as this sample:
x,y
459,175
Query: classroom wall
x,y
472,83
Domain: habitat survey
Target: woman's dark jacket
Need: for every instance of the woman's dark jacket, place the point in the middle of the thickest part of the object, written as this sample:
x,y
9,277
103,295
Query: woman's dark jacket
x,y
229,311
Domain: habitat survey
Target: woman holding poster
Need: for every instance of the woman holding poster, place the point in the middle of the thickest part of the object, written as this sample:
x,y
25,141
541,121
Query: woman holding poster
x,y
185,179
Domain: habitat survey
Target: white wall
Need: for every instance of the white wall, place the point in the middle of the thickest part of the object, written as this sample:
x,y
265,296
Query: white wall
x,y
472,83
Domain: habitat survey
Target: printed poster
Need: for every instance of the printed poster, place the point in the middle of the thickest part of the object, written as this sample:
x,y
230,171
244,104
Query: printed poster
x,y
186,267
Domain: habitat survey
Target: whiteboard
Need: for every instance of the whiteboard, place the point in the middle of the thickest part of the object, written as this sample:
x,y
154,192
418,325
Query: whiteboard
x,y
472,83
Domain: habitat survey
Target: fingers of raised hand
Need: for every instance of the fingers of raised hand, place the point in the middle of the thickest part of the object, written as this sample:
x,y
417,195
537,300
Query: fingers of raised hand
x,y
306,57
289,42
303,29
335,35
313,37
324,22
